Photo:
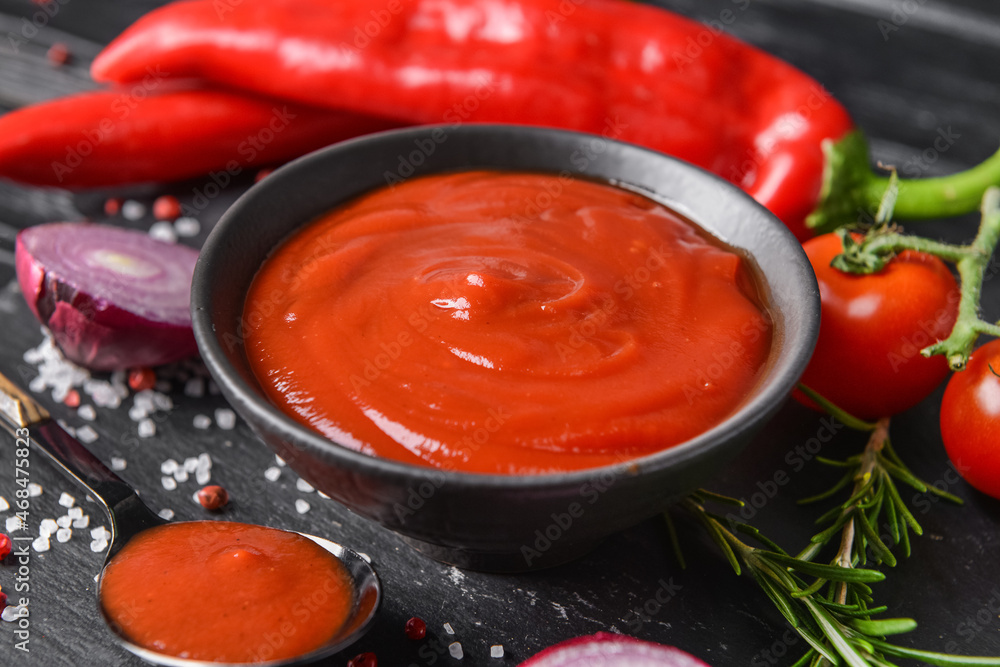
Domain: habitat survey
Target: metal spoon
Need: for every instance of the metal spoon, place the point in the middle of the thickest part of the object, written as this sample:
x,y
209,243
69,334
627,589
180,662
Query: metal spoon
x,y
24,419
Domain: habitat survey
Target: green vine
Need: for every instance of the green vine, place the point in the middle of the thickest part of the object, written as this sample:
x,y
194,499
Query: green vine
x,y
882,243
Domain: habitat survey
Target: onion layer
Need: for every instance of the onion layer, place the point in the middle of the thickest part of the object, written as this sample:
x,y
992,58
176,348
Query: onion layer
x,y
113,298
610,650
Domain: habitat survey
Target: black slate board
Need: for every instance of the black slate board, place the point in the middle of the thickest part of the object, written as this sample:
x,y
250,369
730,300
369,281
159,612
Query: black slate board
x,y
939,70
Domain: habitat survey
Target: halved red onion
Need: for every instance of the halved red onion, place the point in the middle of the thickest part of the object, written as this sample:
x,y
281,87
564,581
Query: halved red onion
x,y
610,650
113,298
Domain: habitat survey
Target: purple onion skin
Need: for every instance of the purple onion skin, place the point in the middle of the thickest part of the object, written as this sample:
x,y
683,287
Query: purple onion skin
x,y
605,649
90,330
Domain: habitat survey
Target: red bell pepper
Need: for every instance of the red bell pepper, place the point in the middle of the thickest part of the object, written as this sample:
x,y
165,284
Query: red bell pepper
x,y
625,70
155,133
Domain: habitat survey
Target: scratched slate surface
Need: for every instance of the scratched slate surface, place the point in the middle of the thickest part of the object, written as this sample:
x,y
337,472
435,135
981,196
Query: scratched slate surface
x,y
907,70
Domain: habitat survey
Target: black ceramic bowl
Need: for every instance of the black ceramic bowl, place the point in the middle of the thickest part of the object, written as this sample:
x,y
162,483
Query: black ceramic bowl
x,y
494,522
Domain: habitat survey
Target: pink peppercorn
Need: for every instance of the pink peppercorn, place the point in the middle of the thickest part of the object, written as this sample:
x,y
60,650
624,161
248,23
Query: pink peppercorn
x,y
363,660
141,378
5,546
416,629
213,497
166,208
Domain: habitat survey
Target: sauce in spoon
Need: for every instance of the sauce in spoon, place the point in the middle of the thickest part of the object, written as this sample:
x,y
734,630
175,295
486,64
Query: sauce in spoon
x,y
226,592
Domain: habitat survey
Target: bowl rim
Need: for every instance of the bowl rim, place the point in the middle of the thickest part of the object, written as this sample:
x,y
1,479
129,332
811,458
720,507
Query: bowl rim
x,y
771,390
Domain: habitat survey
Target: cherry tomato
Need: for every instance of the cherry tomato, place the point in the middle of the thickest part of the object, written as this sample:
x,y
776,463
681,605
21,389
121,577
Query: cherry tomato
x,y
867,359
970,420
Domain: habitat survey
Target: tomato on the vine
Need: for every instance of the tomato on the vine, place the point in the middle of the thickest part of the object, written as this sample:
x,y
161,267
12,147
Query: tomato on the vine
x,y
867,360
970,419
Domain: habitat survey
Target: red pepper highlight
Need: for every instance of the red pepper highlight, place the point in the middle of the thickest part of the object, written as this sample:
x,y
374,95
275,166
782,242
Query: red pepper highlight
x,y
107,138
625,70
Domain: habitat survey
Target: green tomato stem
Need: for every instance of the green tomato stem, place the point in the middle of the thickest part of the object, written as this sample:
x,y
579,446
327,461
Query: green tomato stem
x,y
971,261
972,270
851,191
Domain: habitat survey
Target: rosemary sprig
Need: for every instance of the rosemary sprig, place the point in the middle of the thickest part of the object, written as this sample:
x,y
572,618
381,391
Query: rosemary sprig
x,y
838,625
830,604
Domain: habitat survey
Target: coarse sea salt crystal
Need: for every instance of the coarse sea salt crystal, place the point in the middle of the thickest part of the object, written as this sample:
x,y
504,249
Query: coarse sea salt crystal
x,y
162,402
66,500
301,506
280,461
59,393
201,422
146,428
181,475
195,388
4,505
63,535
13,524
102,393
169,483
304,486
204,461
225,418
132,210
118,383
82,522
203,476
187,226
163,231
166,514
34,490
86,434
75,512
41,543
118,463
86,412
447,628
455,649
272,474
47,527
190,464
137,413
12,613
496,651
100,533
169,466
65,521
98,546
365,557
322,495
144,400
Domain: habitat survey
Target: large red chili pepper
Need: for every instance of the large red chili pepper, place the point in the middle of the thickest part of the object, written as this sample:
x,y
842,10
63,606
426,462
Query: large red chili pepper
x,y
153,133
629,71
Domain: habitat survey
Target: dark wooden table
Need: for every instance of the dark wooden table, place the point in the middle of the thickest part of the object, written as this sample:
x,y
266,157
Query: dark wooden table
x,y
906,70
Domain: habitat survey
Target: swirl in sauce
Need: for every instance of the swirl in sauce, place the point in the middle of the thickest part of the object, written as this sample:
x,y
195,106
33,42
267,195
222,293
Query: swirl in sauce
x,y
506,323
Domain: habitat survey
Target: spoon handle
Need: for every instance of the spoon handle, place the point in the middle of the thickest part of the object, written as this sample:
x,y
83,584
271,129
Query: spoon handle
x,y
29,422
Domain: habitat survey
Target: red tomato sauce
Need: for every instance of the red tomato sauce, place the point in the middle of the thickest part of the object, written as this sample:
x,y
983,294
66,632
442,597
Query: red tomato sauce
x,y
226,592
510,323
